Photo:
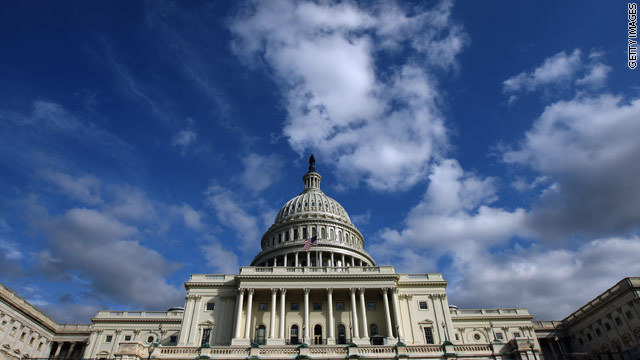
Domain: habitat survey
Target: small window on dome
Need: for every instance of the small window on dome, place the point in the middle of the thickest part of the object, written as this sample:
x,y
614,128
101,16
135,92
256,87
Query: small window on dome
x,y
306,204
295,234
313,203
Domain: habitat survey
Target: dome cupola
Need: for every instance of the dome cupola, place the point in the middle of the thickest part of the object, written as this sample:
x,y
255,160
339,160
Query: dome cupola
x,y
312,214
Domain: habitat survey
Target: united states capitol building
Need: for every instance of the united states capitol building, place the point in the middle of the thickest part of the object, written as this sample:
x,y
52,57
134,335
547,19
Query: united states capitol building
x,y
326,300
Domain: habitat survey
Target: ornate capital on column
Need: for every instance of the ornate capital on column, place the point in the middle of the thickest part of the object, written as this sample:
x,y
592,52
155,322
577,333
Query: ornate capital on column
x,y
274,291
361,290
283,291
329,291
241,291
384,290
250,291
306,291
118,332
353,291
395,290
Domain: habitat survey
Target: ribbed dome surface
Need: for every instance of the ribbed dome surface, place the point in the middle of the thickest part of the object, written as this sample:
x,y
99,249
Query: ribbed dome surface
x,y
312,202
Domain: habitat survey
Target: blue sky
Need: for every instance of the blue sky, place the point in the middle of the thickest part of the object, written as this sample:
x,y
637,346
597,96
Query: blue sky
x,y
141,142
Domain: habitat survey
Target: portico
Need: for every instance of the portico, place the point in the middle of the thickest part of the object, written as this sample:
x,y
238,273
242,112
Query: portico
x,y
317,312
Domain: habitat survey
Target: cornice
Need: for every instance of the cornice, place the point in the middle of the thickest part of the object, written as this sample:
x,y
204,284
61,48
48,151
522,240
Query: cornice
x,y
136,320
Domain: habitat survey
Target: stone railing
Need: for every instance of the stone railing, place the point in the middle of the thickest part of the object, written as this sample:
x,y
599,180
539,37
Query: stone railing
x,y
140,352
334,270
488,312
106,314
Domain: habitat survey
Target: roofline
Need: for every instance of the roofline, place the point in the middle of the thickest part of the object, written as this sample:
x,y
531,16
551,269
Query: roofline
x,y
604,297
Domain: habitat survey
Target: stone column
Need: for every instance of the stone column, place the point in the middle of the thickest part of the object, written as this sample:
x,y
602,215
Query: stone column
x,y
344,264
238,322
272,327
387,314
332,261
73,345
57,353
353,261
247,327
285,260
308,258
306,315
363,310
331,340
297,264
283,292
319,258
396,313
354,314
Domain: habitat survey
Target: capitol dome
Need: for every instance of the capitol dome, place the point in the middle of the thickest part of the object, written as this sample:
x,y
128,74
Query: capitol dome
x,y
308,215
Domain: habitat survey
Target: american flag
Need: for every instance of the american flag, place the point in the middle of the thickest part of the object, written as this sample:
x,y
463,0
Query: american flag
x,y
308,243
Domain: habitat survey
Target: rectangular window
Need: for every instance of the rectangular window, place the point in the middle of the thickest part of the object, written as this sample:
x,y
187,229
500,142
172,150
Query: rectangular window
x,y
457,337
206,334
4,323
211,306
589,337
628,313
263,307
607,326
499,336
516,334
295,234
304,233
340,306
31,341
422,305
371,306
580,341
127,338
295,306
173,339
22,336
109,338
317,306
13,331
428,335
598,332
618,321
39,346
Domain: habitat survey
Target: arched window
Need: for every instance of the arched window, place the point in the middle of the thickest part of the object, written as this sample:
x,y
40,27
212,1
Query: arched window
x,y
323,233
314,231
293,335
286,237
304,233
373,330
295,234
342,334
330,234
260,335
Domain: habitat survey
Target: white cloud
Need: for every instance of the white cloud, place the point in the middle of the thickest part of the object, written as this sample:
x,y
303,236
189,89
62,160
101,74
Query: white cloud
x,y
556,69
131,203
588,149
560,70
380,125
453,218
183,139
260,171
192,218
536,277
596,76
232,212
80,240
218,257
85,188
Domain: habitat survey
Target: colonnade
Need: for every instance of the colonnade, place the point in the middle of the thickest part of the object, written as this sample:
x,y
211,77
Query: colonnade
x,y
315,258
359,324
